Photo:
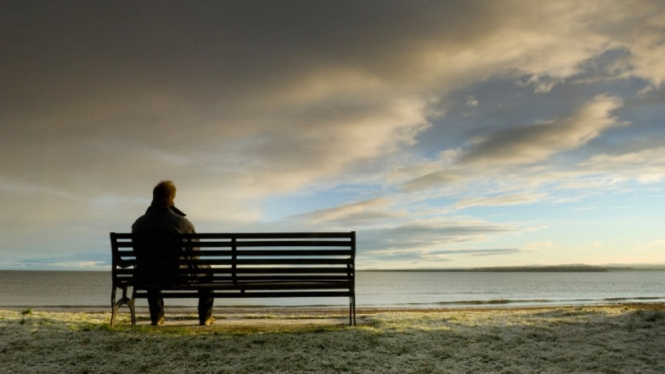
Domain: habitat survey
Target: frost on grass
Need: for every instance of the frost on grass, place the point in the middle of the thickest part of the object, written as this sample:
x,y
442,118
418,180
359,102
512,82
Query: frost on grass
x,y
556,340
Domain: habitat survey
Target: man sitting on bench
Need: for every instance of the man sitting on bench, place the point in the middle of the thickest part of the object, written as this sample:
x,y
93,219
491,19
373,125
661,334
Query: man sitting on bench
x,y
161,220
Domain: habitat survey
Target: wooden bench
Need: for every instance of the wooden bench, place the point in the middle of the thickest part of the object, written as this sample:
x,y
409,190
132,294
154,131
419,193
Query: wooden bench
x,y
244,265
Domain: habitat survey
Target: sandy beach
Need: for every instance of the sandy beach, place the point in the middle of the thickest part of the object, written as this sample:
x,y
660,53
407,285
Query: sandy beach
x,y
594,339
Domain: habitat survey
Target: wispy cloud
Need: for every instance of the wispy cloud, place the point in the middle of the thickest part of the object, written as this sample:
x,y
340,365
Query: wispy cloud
x,y
432,179
529,144
473,252
429,234
351,215
515,199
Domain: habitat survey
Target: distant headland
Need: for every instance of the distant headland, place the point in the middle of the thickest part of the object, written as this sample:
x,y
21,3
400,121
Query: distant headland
x,y
548,268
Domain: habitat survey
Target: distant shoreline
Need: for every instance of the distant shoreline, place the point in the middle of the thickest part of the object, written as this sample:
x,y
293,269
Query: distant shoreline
x,y
506,269
490,305
541,269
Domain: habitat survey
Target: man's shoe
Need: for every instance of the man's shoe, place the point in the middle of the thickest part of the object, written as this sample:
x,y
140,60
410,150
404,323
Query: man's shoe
x,y
207,322
159,322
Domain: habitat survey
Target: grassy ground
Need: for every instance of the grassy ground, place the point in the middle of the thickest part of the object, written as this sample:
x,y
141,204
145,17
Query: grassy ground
x,y
620,339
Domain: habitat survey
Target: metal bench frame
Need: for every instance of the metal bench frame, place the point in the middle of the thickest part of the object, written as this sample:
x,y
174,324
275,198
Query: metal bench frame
x,y
244,265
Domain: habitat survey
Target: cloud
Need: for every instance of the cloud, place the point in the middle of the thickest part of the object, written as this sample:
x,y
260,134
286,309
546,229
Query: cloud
x,y
428,180
535,246
239,103
645,166
645,43
412,237
473,252
613,172
470,101
77,261
529,144
350,215
296,88
514,199
497,153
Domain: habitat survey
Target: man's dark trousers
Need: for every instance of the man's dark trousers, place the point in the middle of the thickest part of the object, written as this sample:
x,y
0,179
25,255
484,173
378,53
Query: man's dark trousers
x,y
156,305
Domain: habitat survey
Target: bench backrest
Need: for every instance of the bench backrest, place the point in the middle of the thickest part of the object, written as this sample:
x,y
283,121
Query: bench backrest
x,y
244,257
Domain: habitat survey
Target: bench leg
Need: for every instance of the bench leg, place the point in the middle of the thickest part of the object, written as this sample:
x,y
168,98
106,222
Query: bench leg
x,y
114,307
352,310
124,300
130,304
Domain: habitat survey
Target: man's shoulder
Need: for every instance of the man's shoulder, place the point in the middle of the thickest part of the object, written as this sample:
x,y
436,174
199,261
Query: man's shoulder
x,y
185,225
138,222
179,217
163,220
145,223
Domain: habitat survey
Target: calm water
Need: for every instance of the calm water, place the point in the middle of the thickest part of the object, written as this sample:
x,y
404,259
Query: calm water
x,y
374,289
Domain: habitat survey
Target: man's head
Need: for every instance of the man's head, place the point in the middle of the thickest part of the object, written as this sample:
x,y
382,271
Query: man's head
x,y
163,193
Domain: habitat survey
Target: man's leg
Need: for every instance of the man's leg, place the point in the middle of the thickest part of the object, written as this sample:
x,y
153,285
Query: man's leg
x,y
156,306
206,300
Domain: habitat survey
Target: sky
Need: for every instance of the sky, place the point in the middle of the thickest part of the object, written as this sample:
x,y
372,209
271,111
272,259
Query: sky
x,y
447,134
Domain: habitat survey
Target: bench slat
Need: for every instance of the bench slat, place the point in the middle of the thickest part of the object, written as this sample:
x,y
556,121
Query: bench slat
x,y
262,253
271,261
264,243
280,270
278,278
256,261
256,235
259,294
281,277
256,270
128,274
254,286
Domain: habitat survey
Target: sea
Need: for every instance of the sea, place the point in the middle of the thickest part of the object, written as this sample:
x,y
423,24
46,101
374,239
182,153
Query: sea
x,y
81,290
